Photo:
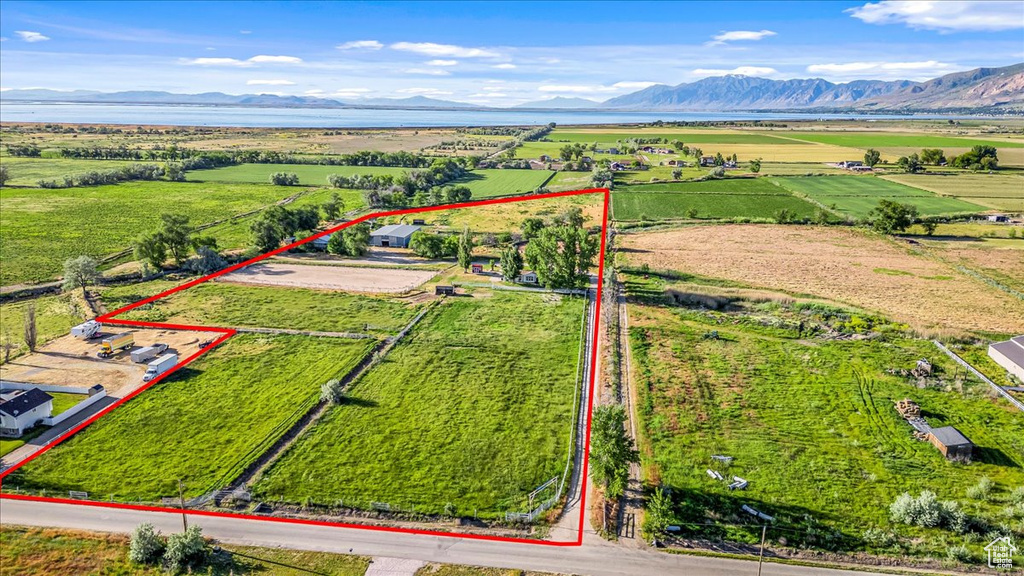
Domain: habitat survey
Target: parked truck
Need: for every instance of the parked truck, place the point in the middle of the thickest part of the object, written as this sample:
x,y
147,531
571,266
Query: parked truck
x,y
159,366
148,353
114,344
87,330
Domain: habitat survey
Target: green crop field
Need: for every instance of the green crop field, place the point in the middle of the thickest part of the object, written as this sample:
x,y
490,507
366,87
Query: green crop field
x,y
688,138
570,181
41,228
202,425
723,186
29,171
473,409
487,183
858,195
810,424
895,139
997,191
309,174
222,304
720,199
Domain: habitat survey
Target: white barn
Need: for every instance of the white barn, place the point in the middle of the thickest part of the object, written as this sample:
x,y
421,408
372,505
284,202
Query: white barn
x,y
393,235
1009,355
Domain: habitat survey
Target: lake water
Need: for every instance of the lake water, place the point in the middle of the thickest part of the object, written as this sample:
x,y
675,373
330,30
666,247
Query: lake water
x,y
362,118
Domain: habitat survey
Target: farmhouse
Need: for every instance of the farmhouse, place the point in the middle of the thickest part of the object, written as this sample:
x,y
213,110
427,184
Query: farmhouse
x,y
707,160
22,409
1009,355
528,278
952,444
393,236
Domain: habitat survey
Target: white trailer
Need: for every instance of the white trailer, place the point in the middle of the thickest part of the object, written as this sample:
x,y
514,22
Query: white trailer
x,y
86,330
148,353
159,366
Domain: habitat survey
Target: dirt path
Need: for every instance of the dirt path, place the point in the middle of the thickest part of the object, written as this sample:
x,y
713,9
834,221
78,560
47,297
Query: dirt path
x,y
631,509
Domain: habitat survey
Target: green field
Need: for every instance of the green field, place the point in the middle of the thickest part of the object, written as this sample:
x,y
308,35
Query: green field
x,y
474,408
856,139
687,138
810,424
55,315
711,199
487,183
222,304
997,191
42,228
202,425
29,171
858,195
309,174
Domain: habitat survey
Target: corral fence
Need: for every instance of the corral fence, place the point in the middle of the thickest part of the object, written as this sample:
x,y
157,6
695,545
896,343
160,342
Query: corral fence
x,y
999,389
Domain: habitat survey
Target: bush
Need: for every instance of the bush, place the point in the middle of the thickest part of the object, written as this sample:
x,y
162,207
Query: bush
x,y
981,490
147,546
960,554
1017,496
332,391
186,550
284,179
658,514
925,510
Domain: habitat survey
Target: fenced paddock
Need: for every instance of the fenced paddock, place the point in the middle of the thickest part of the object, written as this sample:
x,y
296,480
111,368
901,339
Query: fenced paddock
x,y
352,279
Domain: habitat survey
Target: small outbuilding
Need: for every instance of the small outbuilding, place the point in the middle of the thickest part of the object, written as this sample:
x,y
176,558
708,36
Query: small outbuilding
x,y
444,290
477,268
1010,355
393,235
952,443
23,409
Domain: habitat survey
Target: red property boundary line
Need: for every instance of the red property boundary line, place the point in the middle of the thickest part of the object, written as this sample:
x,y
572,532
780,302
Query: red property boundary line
x,y
226,333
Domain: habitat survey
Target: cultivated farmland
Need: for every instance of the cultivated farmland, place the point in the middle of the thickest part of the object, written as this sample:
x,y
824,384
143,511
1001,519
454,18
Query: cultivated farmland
x,y
29,171
864,139
474,408
488,183
715,199
1001,192
202,425
309,174
858,195
851,267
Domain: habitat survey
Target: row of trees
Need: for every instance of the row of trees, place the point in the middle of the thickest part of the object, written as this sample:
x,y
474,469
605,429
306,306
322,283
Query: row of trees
x,y
177,238
175,153
102,177
980,157
276,223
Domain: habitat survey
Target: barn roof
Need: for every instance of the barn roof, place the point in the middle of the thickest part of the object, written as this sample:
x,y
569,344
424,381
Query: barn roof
x,y
1013,349
949,436
400,230
28,400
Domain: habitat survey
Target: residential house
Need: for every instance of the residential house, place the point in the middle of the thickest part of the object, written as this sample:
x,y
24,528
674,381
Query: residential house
x,y
528,278
707,161
393,235
23,409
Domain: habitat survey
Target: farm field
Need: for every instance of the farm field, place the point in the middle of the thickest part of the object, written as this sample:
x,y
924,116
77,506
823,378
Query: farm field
x,y
309,174
218,303
722,186
990,190
42,228
55,315
570,181
29,171
856,196
474,408
190,426
850,267
489,183
688,137
864,139
810,424
713,199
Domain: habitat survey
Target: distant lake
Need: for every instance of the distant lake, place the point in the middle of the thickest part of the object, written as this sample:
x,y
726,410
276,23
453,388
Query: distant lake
x,y
365,118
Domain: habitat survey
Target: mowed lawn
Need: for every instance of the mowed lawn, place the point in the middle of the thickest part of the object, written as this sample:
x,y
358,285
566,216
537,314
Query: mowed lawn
x,y
41,228
309,174
490,182
474,408
712,199
811,425
858,195
202,425
217,303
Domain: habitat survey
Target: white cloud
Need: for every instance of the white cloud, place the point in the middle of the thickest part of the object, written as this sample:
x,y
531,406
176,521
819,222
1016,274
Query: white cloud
x,y
428,71
262,58
216,62
633,85
360,45
575,88
449,50
423,91
269,83
314,92
441,62
245,31
505,66
488,95
741,70
945,16
29,36
884,70
735,35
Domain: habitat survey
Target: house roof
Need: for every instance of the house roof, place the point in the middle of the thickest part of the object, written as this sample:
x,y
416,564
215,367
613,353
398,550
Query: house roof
x,y
949,436
28,400
400,230
1012,349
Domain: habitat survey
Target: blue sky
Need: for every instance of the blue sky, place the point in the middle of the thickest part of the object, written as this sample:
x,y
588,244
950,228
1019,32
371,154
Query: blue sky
x,y
489,53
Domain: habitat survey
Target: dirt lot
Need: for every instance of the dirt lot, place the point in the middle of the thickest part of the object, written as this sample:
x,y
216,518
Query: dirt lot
x,y
846,266
68,361
375,257
374,280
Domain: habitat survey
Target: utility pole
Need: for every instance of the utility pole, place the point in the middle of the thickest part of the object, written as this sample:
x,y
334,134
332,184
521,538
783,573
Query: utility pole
x,y
760,556
184,520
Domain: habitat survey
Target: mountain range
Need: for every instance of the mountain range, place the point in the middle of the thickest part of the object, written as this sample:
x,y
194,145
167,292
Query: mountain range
x,y
982,89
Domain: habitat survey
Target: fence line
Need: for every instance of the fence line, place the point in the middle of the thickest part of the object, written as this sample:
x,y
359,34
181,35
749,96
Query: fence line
x,y
982,377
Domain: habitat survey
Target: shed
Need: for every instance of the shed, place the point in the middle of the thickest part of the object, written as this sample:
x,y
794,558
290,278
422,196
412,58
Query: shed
x,y
477,268
444,290
998,218
393,235
952,444
1010,355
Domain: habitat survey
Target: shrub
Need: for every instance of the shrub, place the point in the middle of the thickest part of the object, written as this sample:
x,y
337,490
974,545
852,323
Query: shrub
x,y
925,510
879,538
147,546
659,514
981,490
332,391
959,554
1017,496
186,550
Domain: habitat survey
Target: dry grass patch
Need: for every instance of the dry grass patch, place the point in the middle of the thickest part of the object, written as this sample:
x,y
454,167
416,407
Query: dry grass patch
x,y
846,266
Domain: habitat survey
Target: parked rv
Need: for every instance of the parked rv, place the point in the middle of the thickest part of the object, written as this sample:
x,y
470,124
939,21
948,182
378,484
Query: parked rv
x,y
87,330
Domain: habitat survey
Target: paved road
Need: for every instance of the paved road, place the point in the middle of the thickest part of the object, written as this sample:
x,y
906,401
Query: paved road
x,y
595,558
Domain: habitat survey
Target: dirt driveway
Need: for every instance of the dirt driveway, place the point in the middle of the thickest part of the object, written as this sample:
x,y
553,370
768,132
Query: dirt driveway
x,y
375,280
68,361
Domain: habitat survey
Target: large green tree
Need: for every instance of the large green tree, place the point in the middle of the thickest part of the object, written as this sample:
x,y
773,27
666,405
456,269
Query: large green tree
x,y
872,157
352,241
892,217
176,234
562,256
611,450
511,263
150,248
79,273
465,249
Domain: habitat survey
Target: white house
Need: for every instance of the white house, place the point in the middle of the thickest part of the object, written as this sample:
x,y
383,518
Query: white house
x,y
528,278
1009,355
23,409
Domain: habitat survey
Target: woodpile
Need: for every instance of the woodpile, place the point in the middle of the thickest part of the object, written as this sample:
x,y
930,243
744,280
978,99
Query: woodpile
x,y
908,409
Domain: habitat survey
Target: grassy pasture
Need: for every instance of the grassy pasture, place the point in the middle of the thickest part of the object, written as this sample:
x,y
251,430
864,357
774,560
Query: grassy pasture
x,y
222,304
473,408
29,171
673,206
492,182
570,181
203,424
858,139
811,426
55,315
858,195
723,186
508,217
309,174
990,190
690,138
41,228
